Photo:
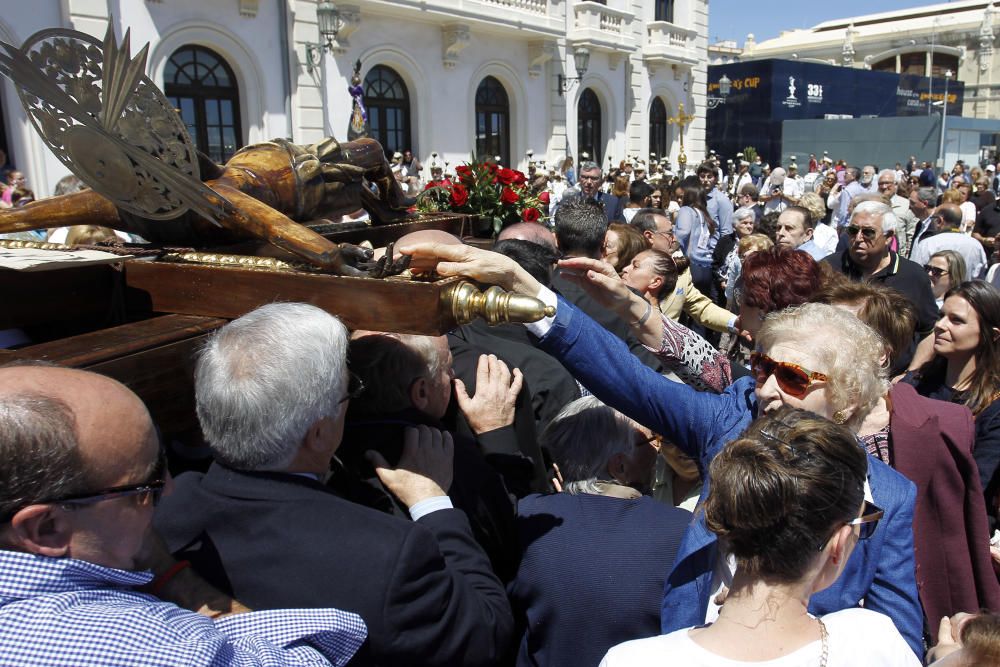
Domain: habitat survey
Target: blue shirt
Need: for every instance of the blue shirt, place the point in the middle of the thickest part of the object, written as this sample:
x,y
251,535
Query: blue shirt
x,y
814,250
62,611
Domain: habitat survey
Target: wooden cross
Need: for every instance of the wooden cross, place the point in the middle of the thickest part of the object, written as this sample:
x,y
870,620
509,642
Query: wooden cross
x,y
681,120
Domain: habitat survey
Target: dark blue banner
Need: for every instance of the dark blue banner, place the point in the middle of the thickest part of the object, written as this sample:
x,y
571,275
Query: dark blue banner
x,y
765,92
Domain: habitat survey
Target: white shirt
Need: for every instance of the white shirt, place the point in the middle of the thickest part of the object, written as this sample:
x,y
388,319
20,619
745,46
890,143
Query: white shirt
x,y
857,638
826,238
969,248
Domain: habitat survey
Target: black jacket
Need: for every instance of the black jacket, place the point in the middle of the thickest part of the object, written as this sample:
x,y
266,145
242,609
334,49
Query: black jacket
x,y
273,540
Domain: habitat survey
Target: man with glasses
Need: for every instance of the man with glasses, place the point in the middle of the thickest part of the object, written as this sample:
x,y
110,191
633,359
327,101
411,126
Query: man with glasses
x,y
589,189
906,221
80,472
656,227
969,248
869,259
272,391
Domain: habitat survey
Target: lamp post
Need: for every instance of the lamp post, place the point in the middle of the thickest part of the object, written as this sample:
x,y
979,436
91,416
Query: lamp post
x,y
328,22
581,59
725,85
944,116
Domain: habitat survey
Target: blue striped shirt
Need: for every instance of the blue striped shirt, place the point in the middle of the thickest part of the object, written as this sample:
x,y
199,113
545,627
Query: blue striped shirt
x,y
61,611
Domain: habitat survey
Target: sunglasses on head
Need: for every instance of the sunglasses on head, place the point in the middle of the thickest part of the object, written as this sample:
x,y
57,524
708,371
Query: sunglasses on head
x,y
793,379
868,233
935,271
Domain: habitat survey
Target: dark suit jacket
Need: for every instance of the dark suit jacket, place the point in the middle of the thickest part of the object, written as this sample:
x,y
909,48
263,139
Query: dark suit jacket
x,y
932,446
591,575
476,488
277,541
612,205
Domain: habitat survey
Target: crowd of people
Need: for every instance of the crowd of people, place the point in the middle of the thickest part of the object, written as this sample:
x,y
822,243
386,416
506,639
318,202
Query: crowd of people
x,y
761,427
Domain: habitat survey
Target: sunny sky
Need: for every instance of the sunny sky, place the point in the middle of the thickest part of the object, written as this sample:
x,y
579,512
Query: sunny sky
x,y
733,19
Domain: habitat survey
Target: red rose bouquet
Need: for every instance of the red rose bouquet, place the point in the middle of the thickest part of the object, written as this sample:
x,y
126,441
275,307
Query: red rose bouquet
x,y
499,196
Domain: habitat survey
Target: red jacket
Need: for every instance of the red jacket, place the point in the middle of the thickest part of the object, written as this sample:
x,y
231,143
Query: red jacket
x,y
932,445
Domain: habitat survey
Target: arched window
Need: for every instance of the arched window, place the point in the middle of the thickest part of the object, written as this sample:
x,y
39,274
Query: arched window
x,y
201,85
492,121
388,104
658,128
588,123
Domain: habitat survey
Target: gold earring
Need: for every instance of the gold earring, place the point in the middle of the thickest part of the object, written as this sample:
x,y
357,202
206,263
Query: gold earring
x,y
840,417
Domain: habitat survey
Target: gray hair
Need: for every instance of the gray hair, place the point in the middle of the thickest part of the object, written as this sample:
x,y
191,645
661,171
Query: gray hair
x,y
589,165
583,437
887,172
645,219
39,453
854,172
743,213
927,195
877,209
264,379
855,371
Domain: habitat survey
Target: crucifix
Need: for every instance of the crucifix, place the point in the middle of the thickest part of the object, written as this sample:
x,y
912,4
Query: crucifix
x,y
681,120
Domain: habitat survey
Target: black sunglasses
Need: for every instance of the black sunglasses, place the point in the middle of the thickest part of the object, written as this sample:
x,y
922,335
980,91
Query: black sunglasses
x,y
935,271
868,521
868,233
146,493
355,387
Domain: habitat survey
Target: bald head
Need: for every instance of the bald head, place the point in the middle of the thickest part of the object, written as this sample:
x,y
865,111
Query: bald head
x,y
110,422
950,214
528,231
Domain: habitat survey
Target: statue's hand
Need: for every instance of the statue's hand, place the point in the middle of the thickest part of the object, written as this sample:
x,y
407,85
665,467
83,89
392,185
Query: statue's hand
x,y
352,259
386,265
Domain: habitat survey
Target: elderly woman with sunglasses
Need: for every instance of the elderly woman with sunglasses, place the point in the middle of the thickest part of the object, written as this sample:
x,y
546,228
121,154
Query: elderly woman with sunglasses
x,y
803,363
788,504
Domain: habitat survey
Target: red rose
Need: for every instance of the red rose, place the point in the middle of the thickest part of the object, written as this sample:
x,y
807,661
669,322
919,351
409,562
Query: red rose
x,y
508,196
507,176
544,198
530,215
519,178
430,185
459,195
463,170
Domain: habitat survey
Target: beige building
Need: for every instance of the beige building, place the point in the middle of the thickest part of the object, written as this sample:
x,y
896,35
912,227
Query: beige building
x,y
928,41
452,77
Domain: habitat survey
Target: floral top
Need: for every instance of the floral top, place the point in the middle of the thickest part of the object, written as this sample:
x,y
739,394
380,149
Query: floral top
x,y
879,444
692,358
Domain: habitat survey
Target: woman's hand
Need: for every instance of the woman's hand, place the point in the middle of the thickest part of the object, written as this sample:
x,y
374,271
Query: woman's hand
x,y
600,281
482,265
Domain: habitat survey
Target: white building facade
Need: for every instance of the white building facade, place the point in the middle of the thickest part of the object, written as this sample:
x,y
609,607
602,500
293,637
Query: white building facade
x,y
455,77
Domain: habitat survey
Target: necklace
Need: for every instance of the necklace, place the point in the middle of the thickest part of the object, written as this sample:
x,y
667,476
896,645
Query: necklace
x,y
824,638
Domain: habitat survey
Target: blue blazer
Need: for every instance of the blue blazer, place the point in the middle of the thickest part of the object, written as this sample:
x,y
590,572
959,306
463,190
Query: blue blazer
x,y
880,572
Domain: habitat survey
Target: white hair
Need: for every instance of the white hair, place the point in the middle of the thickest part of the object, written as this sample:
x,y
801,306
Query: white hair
x,y
887,172
744,212
877,209
583,437
264,379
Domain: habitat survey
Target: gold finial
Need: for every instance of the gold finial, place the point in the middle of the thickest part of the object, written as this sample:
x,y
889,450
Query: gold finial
x,y
466,302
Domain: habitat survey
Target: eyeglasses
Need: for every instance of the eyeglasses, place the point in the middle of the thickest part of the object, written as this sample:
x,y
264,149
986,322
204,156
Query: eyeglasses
x,y
355,387
868,521
868,233
146,493
793,379
935,271
886,185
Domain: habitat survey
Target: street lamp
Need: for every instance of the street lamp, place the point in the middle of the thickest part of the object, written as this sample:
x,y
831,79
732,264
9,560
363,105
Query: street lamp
x,y
944,115
725,85
328,20
581,58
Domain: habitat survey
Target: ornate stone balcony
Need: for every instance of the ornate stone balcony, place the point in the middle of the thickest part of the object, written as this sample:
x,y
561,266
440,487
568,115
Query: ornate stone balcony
x,y
537,17
601,27
669,44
